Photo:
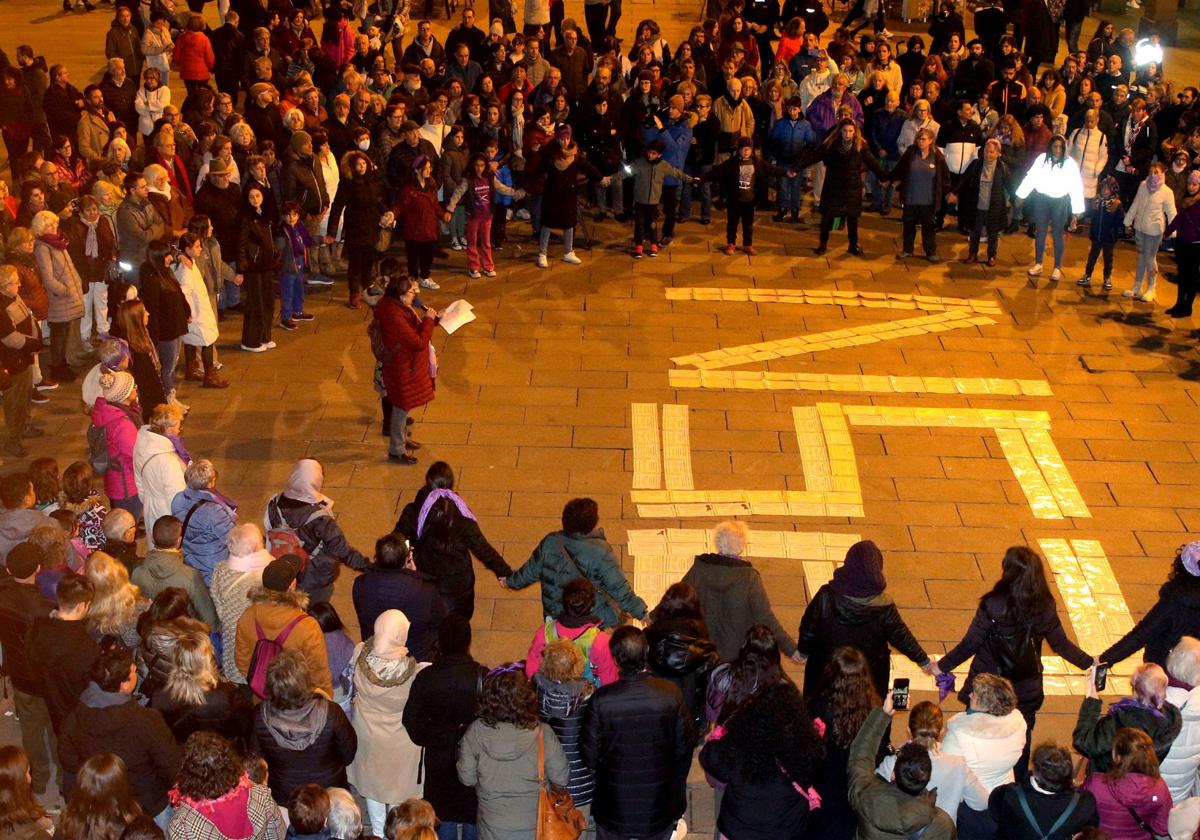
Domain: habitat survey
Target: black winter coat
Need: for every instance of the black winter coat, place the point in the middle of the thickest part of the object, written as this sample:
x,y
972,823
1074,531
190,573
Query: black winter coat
x,y
1047,627
256,252
324,533
638,739
869,624
968,194
682,652
413,593
301,184
1005,808
323,762
560,202
20,605
841,194
440,707
733,599
60,656
165,302
450,566
941,175
563,706
221,207
138,735
225,711
362,199
1177,614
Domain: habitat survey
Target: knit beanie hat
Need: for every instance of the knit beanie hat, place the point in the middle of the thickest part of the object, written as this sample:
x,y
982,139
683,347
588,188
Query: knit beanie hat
x,y
116,386
279,574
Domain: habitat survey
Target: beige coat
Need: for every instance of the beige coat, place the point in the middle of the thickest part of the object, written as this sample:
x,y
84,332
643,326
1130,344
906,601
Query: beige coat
x,y
63,285
386,766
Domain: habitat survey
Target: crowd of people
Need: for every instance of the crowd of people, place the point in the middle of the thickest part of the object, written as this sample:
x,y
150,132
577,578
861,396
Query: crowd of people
x,y
209,689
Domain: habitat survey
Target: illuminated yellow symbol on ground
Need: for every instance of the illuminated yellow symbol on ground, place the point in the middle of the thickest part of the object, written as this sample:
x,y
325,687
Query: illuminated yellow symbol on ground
x,y
825,297
769,380
826,457
662,556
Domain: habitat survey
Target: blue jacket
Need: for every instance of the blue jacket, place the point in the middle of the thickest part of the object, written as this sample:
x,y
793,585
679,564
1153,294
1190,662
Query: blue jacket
x,y
883,132
204,540
415,594
676,137
1105,226
788,138
504,176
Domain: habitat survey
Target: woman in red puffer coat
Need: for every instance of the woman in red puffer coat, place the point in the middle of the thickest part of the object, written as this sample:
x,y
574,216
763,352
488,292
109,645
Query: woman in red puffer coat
x,y
409,366
417,213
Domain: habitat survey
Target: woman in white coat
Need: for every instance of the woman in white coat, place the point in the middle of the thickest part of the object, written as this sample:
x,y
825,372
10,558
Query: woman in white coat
x,y
326,167
159,459
1179,769
919,117
952,778
1152,210
1088,147
157,46
151,99
202,330
386,767
991,734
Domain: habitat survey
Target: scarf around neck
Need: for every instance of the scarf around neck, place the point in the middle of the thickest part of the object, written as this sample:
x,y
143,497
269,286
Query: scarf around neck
x,y
227,813
55,240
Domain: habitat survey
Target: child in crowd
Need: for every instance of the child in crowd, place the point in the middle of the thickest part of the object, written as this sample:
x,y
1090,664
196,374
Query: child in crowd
x,y
80,497
498,163
293,243
454,166
47,484
1152,210
479,188
648,173
788,139
1105,223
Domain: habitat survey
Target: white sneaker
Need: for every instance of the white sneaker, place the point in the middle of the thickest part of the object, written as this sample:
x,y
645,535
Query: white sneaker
x,y
491,272
570,257
455,245
259,349
522,214
1084,281
1035,270
542,262
1056,275
1147,296
473,274
427,283
270,345
1131,293
883,33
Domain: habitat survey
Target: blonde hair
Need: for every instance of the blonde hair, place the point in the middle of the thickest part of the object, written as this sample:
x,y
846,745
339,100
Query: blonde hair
x,y
116,600
293,120
241,128
8,274
43,222
164,416
195,669
561,662
18,236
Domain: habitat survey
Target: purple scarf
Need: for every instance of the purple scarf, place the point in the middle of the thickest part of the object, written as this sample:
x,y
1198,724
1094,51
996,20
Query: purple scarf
x,y
442,494
1134,703
180,449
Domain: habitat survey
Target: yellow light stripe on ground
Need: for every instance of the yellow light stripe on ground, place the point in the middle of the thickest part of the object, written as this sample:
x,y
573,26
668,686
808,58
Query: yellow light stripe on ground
x,y
965,418
814,456
677,447
753,380
822,297
834,339
647,451
1025,469
1050,462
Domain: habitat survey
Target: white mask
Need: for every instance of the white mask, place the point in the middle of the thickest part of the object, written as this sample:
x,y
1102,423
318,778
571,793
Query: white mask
x,y
364,144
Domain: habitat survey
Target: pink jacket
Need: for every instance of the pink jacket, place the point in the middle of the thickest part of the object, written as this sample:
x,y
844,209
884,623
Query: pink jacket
x,y
120,425
341,49
1148,797
603,665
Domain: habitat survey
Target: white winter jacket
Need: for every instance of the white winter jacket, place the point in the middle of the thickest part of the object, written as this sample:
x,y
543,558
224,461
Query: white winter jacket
x,y
952,778
1151,212
1180,766
158,472
1055,181
1088,147
202,325
150,105
990,744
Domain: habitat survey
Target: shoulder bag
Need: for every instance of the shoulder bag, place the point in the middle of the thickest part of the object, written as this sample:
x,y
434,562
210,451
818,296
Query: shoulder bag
x,y
557,816
622,616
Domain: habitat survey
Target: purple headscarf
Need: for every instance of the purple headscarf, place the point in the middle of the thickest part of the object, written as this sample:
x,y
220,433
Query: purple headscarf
x,y
442,494
862,574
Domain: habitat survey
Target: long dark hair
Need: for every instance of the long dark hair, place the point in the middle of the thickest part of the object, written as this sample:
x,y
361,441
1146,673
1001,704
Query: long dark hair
x,y
757,667
849,693
101,804
156,252
1180,576
439,526
773,730
17,805
680,603
1022,584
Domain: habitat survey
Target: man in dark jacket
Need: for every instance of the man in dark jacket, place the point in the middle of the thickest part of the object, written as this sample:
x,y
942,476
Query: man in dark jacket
x,y
108,720
59,651
123,41
897,809
974,73
20,605
400,160
119,89
394,583
1050,797
63,103
579,550
229,50
637,738
732,596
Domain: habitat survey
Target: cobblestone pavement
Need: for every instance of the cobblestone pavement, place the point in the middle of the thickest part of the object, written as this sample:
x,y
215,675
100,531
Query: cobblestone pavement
x,y
1002,411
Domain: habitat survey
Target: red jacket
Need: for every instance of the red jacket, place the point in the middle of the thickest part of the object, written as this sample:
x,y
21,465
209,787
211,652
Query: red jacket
x,y
194,57
406,374
417,212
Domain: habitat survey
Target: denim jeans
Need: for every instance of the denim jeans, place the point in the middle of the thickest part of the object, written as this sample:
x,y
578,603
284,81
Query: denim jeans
x,y
449,830
291,294
790,193
458,224
231,293
1147,258
168,354
881,193
398,432
568,236
609,198
685,197
1050,214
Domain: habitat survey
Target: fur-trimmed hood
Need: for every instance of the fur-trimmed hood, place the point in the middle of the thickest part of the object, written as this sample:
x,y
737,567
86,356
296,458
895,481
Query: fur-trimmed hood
x,y
291,598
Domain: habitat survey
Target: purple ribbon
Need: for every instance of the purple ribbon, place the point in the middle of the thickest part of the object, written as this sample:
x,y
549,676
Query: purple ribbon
x,y
945,684
442,494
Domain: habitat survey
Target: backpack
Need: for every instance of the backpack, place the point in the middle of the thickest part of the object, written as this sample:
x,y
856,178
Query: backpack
x,y
265,651
378,349
583,642
1023,801
97,437
283,539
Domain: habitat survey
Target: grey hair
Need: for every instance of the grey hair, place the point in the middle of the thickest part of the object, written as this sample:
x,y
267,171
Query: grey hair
x,y
244,539
730,538
200,474
116,522
1183,663
344,820
1150,684
43,222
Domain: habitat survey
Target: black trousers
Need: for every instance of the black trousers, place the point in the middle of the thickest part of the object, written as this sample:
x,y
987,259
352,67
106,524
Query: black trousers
x,y
645,217
360,266
670,205
827,226
982,223
923,215
739,212
595,16
420,257
15,147
1098,248
258,307
1187,255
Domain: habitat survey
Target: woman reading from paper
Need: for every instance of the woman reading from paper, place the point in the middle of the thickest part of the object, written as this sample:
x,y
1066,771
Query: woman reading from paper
x,y
408,359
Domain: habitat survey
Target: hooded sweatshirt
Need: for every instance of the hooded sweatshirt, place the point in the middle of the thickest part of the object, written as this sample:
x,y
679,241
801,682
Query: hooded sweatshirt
x,y
733,599
164,568
17,524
